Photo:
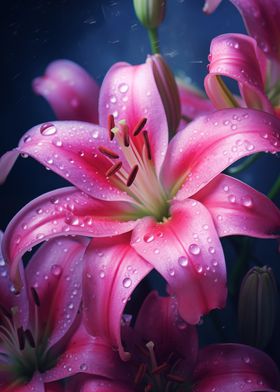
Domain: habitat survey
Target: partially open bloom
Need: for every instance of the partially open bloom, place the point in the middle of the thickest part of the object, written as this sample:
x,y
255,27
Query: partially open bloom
x,y
40,327
150,12
165,356
170,199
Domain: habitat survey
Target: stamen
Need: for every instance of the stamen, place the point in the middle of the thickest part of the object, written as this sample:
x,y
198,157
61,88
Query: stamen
x,y
175,377
139,126
140,373
29,337
160,368
21,338
132,175
109,153
113,169
111,125
147,144
125,137
35,296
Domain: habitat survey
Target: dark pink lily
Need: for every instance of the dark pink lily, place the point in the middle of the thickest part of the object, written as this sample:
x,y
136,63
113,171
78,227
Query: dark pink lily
x,y
41,336
164,356
170,199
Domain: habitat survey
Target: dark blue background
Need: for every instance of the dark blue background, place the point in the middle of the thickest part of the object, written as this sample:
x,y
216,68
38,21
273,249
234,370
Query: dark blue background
x,y
96,34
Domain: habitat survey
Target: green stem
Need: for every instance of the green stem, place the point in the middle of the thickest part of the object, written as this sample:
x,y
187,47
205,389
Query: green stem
x,y
154,41
244,165
275,189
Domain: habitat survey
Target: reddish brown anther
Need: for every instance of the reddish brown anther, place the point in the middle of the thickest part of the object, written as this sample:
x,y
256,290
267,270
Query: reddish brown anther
x,y
147,144
35,296
111,125
175,377
113,169
29,337
125,137
132,175
139,126
140,373
108,153
160,368
21,338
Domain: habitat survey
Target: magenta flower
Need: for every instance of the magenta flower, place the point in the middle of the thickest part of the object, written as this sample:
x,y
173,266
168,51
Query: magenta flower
x,y
165,356
41,336
171,200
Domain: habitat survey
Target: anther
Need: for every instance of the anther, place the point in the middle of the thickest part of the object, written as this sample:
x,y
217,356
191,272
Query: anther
x,y
113,169
111,125
147,144
140,373
21,338
160,368
125,137
109,153
132,175
29,338
35,296
139,126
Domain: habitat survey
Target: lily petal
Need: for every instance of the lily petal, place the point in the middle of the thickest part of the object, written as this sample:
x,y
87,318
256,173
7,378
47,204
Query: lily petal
x,y
210,6
70,90
208,145
54,387
87,354
236,208
112,271
158,321
7,161
96,384
55,272
234,368
186,250
238,57
129,92
71,149
35,384
66,211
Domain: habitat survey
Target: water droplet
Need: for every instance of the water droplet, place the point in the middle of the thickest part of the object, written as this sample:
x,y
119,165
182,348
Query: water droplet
x,y
236,45
226,188
113,99
212,250
181,324
123,88
102,274
249,146
246,360
205,227
183,261
199,268
83,367
194,249
40,236
231,198
127,283
71,306
171,272
26,139
148,237
48,129
156,251
56,270
247,201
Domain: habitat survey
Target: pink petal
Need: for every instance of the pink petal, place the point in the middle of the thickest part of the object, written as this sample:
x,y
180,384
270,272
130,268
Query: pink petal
x,y
158,321
54,387
237,56
210,6
7,291
236,208
261,18
96,384
7,161
234,368
112,271
208,145
129,92
193,102
70,90
186,250
66,211
71,149
35,385
55,271
87,354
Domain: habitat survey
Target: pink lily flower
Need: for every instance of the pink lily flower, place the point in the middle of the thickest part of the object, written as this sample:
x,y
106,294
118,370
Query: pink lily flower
x,y
238,57
165,356
40,327
170,199
261,18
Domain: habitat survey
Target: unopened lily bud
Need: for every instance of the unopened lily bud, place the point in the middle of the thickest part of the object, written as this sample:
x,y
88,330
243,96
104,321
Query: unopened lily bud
x,y
257,306
150,12
168,90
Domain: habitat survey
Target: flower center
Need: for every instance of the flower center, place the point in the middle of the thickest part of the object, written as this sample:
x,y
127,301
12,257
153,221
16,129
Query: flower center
x,y
135,173
152,376
22,351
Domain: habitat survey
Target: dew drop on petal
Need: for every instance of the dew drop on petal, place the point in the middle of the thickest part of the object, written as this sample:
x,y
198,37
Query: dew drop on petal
x,y
148,237
123,88
56,270
194,249
211,250
48,129
183,261
127,282
102,274
83,367
232,199
247,201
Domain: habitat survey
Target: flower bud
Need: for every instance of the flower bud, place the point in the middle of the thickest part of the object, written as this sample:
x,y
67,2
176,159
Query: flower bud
x,y
168,90
150,12
257,306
